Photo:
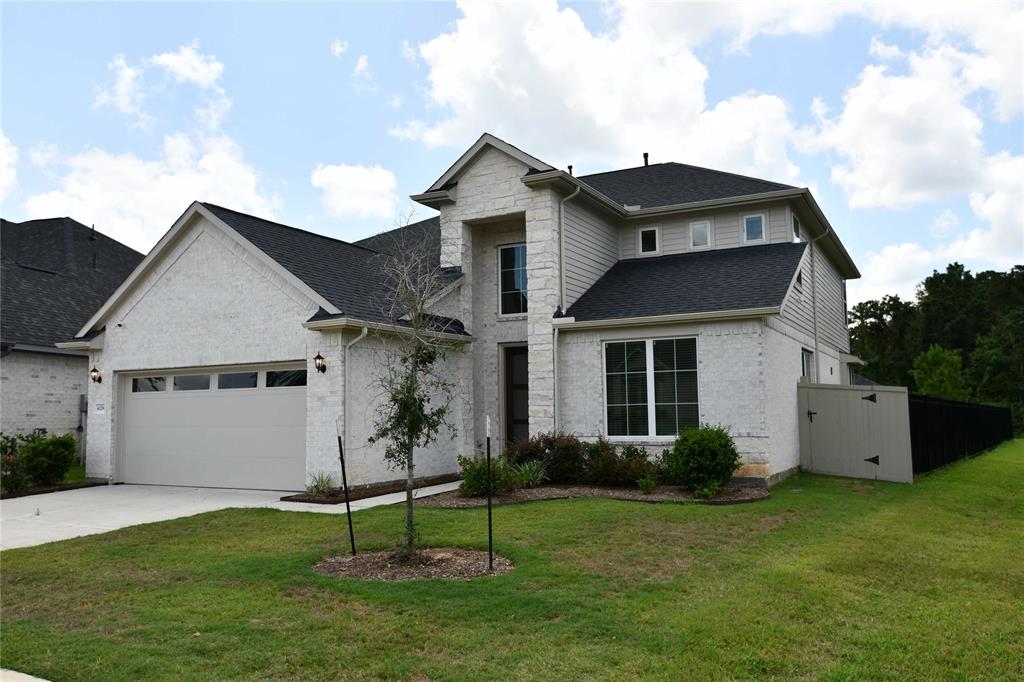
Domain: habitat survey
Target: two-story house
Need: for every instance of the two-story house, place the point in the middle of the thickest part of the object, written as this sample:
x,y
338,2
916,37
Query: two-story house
x,y
629,304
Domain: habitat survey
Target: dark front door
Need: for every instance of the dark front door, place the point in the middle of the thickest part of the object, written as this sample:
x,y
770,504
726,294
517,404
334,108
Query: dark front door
x,y
517,403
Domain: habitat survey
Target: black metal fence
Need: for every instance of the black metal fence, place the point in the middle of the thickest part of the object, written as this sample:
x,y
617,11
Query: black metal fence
x,y
943,431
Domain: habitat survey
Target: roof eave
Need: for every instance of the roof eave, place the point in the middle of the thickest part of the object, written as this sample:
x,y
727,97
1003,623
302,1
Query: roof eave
x,y
91,343
434,199
486,140
851,271
709,316
337,324
565,183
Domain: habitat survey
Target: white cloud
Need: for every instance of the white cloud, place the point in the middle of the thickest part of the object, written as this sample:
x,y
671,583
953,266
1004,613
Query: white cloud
x,y
188,65
395,101
126,93
944,224
880,49
339,47
408,51
8,165
135,200
894,270
535,74
43,154
354,190
362,67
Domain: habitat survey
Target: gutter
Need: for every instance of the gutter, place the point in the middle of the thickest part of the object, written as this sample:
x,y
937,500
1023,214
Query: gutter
x,y
561,296
570,323
814,301
345,391
341,323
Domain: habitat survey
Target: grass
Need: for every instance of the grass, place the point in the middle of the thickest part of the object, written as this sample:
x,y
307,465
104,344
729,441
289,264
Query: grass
x,y
832,578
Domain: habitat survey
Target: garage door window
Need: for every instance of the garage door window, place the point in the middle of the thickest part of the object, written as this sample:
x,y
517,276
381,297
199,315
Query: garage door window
x,y
149,384
192,382
236,380
286,377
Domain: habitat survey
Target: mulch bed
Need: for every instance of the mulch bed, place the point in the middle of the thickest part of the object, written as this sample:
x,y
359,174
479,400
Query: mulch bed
x,y
730,494
442,563
42,489
337,496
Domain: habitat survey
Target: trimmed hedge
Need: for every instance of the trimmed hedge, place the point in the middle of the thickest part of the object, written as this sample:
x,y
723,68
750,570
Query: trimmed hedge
x,y
702,460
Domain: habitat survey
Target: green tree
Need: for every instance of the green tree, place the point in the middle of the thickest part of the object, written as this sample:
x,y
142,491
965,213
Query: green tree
x,y
886,334
996,369
939,372
417,395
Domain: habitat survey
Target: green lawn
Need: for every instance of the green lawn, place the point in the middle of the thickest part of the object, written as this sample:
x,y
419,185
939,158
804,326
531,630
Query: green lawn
x,y
831,578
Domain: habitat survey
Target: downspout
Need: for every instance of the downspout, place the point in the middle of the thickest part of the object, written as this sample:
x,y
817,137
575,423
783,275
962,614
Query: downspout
x,y
561,298
344,408
814,306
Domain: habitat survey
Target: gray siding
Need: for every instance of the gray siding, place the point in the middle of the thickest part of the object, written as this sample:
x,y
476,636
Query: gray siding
x,y
591,247
725,229
796,310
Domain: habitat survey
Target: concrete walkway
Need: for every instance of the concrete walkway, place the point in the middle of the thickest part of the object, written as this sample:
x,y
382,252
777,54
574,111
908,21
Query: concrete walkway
x,y
38,519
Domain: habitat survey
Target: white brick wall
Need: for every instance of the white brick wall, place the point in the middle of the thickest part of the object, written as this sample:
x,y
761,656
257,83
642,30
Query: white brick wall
x,y
41,390
731,360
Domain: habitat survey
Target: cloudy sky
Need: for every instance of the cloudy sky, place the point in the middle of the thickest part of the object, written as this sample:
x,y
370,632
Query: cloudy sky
x,y
905,120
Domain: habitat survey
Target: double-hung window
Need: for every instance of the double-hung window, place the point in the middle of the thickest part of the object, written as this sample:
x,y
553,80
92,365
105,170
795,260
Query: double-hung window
x,y
649,240
753,228
700,234
651,387
512,279
807,364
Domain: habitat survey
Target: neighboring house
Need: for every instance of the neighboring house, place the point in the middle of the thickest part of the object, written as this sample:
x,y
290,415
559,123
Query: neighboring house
x,y
628,304
55,274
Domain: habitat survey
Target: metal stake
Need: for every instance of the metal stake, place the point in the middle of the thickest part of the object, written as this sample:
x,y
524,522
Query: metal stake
x,y
490,486
344,484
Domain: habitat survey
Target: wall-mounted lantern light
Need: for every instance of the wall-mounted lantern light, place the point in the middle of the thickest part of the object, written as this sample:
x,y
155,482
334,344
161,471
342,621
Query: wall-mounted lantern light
x,y
95,375
321,364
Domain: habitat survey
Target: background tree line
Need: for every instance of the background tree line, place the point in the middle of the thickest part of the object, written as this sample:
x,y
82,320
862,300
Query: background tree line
x,y
962,338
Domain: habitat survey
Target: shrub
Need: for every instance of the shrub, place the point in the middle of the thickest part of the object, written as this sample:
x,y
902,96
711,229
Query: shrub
x,y
13,475
320,483
48,458
647,484
605,466
530,474
474,476
702,460
563,455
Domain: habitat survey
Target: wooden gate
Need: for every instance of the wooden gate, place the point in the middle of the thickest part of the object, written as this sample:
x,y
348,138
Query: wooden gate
x,y
857,431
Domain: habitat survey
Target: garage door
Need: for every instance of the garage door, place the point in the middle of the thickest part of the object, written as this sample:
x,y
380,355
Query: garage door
x,y
232,428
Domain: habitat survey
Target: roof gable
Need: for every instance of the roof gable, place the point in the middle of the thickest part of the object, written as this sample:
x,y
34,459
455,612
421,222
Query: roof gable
x,y
55,273
487,140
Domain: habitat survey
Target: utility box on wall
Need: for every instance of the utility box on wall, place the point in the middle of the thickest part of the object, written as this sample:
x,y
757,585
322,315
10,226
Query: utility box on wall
x,y
856,431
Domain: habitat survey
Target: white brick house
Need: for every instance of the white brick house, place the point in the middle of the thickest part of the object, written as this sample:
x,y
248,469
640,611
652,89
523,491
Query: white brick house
x,y
628,305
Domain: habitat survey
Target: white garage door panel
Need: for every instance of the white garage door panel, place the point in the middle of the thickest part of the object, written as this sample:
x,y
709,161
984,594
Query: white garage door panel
x,y
236,438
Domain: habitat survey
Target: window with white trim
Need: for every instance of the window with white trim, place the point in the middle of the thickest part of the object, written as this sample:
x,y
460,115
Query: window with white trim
x,y
797,237
700,234
649,241
512,279
754,228
651,387
807,364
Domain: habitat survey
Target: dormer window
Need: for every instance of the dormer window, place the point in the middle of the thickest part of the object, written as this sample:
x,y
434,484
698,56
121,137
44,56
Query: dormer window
x,y
649,240
753,228
700,235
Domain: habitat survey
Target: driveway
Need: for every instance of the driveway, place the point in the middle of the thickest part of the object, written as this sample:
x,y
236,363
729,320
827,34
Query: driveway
x,y
38,519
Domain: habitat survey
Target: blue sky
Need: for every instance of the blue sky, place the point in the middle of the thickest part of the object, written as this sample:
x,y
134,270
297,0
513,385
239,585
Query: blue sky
x,y
904,119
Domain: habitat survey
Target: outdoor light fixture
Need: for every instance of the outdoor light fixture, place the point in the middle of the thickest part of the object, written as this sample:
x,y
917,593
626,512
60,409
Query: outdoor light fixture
x,y
95,375
321,364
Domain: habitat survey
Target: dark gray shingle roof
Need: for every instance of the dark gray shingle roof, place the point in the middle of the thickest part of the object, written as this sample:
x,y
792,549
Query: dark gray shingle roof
x,y
664,184
350,276
425,234
706,281
49,283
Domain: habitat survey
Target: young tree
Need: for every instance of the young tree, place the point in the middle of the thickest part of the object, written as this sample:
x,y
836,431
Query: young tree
x,y
417,393
939,372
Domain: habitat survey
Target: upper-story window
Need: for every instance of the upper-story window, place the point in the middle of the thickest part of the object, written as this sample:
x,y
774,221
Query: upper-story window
x,y
796,230
700,235
753,228
512,279
649,241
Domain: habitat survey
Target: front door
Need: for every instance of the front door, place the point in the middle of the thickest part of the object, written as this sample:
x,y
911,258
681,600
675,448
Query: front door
x,y
517,403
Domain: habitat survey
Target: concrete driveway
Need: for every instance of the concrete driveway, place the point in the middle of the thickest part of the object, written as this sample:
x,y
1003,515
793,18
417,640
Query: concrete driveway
x,y
38,519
